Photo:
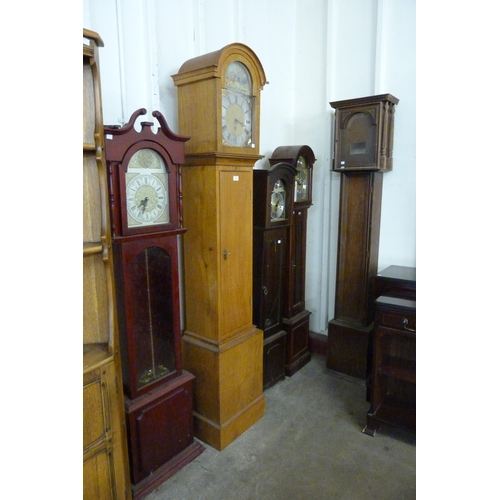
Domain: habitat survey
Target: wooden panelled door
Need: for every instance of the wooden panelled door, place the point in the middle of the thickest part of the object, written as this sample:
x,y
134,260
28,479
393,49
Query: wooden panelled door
x,y
236,244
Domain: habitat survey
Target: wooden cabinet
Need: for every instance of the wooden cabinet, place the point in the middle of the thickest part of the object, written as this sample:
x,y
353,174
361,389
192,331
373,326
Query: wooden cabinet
x,y
393,379
105,464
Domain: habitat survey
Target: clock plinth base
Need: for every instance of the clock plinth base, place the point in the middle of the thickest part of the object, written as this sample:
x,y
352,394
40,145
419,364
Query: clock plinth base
x,y
297,342
219,436
274,359
228,395
161,433
347,350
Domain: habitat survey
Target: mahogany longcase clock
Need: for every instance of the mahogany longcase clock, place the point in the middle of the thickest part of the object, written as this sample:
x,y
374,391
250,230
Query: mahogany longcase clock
x,y
219,108
272,209
295,316
144,170
363,140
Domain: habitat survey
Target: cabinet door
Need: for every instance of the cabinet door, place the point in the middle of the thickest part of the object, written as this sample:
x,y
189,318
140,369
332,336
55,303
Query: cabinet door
x,y
272,273
298,248
236,250
98,480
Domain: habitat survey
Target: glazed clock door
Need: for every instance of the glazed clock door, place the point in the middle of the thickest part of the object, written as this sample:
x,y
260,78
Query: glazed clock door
x,y
236,248
272,272
148,292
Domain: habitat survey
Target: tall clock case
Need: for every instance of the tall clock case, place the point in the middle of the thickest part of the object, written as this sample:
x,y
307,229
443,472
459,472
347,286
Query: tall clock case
x,y
272,208
221,345
144,171
295,316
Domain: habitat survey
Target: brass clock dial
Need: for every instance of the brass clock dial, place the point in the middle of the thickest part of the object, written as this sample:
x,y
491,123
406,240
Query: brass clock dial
x,y
237,113
278,201
301,180
236,120
146,192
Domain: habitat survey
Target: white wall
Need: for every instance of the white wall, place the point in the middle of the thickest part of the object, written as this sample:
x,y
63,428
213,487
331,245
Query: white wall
x,y
313,52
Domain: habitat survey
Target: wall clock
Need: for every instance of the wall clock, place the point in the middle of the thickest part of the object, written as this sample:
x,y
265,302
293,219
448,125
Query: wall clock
x,y
219,108
144,172
295,315
272,209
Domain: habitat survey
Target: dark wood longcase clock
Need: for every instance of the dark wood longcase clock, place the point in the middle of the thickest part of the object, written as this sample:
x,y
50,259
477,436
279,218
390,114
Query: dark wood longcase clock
x,y
272,208
363,140
295,315
144,171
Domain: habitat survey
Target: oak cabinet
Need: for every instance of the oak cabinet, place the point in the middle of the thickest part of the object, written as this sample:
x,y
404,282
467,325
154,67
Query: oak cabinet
x,y
105,464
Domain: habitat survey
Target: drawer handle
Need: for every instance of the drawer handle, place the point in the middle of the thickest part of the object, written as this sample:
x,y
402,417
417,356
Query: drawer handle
x,y
405,326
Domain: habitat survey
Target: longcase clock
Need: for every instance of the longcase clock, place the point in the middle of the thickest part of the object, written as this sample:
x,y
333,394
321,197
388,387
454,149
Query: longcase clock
x,y
364,130
295,315
272,208
144,170
219,108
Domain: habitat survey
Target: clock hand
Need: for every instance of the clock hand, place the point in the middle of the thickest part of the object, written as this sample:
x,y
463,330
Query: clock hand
x,y
143,204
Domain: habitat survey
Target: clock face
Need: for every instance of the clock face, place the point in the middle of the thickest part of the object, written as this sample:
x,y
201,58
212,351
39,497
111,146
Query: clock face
x,y
278,195
236,120
237,113
301,180
146,189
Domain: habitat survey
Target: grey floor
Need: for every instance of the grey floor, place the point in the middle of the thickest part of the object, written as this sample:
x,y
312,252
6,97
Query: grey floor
x,y
308,445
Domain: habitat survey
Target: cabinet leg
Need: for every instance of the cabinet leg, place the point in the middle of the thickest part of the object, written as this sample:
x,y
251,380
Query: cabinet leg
x,y
370,432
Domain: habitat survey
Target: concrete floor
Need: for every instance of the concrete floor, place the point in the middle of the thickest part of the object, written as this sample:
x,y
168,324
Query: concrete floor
x,y
309,445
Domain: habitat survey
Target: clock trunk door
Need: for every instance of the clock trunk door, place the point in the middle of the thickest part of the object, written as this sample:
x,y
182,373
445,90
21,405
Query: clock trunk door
x,y
273,254
236,247
299,231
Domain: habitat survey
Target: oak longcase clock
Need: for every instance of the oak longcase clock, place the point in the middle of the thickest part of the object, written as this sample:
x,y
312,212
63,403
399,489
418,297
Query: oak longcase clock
x,y
295,315
272,208
219,108
363,142
144,171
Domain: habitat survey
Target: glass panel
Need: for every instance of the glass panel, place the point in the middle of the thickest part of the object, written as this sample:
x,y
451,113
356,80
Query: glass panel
x,y
271,297
297,268
238,78
153,306
147,189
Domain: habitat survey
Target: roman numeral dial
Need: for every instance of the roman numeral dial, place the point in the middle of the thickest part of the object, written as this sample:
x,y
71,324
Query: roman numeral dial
x,y
146,198
236,120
